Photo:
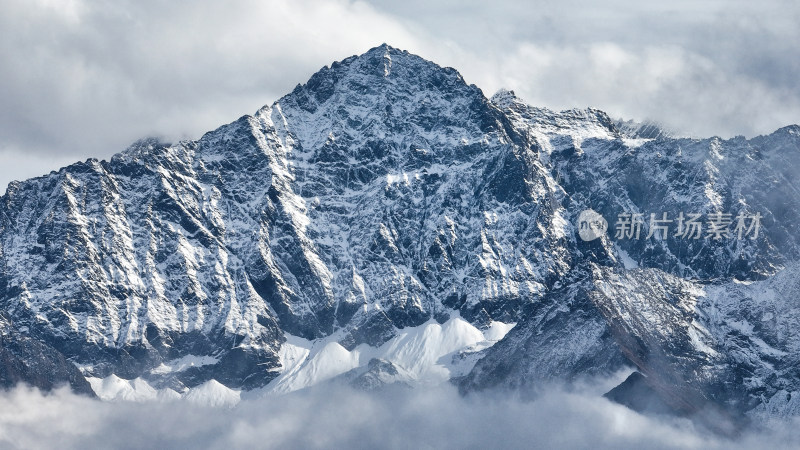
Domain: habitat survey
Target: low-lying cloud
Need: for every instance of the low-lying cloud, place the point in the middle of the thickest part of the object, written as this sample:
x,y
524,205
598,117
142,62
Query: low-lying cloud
x,y
337,417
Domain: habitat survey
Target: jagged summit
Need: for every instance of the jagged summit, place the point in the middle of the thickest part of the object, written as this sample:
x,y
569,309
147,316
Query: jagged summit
x,y
380,68
504,98
381,93
793,130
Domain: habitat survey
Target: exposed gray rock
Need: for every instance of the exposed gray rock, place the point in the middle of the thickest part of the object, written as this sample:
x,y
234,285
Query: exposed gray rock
x,y
29,361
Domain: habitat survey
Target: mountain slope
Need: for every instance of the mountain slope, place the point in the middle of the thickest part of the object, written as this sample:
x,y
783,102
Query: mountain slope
x,y
382,193
386,197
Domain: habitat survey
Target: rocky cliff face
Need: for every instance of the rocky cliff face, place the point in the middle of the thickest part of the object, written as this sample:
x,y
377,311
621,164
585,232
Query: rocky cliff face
x,y
386,194
27,360
672,305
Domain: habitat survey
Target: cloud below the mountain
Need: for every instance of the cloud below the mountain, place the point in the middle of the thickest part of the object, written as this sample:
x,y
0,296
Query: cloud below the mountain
x,y
342,418
85,79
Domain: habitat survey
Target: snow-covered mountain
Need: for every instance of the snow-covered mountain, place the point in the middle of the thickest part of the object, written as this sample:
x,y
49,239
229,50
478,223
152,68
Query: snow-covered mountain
x,y
387,223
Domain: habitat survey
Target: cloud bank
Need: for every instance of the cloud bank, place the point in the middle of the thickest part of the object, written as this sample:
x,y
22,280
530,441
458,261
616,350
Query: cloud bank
x,y
344,418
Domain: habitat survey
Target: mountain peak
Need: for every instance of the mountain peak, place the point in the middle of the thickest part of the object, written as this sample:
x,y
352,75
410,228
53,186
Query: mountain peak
x,y
789,130
504,98
383,49
375,94
380,69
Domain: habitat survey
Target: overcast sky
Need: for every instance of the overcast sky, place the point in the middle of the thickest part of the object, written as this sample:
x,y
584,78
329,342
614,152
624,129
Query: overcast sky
x,y
84,78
